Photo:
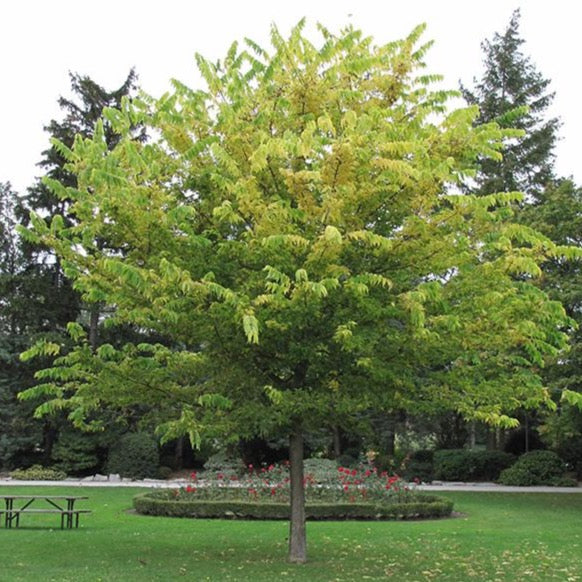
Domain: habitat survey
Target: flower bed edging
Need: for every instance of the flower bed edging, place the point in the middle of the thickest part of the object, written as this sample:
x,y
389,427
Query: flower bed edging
x,y
423,507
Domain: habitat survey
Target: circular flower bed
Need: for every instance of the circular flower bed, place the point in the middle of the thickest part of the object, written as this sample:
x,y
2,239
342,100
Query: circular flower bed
x,y
362,493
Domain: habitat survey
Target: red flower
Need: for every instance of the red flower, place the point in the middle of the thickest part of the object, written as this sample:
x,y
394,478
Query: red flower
x,y
384,474
193,476
271,467
368,473
388,485
273,491
190,489
340,469
220,476
250,466
346,488
354,472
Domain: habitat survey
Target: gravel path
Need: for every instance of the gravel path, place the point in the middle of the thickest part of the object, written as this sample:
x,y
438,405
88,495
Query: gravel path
x,y
155,483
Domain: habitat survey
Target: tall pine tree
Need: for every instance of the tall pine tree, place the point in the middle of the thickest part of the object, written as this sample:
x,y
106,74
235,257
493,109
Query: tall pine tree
x,y
38,300
513,93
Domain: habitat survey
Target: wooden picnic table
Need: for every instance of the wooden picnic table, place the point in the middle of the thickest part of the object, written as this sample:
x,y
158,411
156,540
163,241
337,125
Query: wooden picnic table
x,y
63,505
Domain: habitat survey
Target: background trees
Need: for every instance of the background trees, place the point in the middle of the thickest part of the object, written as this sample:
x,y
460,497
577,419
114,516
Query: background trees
x,y
514,94
37,299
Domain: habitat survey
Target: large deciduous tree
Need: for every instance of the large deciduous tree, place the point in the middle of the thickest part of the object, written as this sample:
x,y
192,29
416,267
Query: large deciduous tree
x,y
293,231
513,93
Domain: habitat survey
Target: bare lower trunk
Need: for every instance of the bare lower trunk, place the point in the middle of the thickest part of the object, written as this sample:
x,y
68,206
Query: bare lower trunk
x,y
179,453
93,325
337,445
297,538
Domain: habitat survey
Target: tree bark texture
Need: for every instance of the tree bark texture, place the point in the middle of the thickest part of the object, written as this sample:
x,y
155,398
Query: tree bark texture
x,y
297,534
93,326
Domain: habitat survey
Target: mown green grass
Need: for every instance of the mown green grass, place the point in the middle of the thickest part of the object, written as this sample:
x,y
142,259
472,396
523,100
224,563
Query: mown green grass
x,y
502,536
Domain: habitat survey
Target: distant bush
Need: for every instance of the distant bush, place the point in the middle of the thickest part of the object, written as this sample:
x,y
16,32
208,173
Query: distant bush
x,y
223,462
164,472
347,460
135,456
470,465
419,466
38,473
75,452
537,468
322,470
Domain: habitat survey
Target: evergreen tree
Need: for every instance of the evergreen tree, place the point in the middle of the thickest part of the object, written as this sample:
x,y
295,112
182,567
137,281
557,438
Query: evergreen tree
x,y
513,93
558,214
36,299
19,433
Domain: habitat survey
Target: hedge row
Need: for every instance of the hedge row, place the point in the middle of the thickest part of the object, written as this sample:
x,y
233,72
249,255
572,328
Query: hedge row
x,y
470,465
425,506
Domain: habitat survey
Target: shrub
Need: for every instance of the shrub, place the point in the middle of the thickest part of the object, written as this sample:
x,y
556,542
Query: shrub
x,y
135,456
164,472
75,452
347,460
470,465
162,503
322,470
419,467
222,462
535,468
38,473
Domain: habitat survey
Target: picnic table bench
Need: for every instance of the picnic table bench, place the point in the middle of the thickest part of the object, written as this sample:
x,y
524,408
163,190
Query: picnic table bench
x,y
63,505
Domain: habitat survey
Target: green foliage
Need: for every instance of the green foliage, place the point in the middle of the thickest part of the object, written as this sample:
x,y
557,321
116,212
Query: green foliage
x,y
76,453
419,466
322,470
333,252
161,503
224,462
136,456
470,465
38,473
536,468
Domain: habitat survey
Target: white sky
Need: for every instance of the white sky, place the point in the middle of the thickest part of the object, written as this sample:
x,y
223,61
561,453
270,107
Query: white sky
x,y
41,41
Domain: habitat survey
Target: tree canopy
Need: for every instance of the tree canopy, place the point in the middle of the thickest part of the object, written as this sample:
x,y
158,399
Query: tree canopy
x,y
295,230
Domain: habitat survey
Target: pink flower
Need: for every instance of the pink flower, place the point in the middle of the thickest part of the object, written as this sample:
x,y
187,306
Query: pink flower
x,y
340,469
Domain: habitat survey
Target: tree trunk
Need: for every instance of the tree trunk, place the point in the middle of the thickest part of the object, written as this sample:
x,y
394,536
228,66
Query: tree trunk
x,y
93,325
179,453
337,445
297,537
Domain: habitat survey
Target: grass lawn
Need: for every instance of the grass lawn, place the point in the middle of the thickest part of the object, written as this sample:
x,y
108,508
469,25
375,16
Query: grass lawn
x,y
503,536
